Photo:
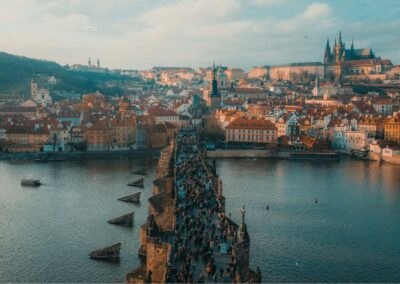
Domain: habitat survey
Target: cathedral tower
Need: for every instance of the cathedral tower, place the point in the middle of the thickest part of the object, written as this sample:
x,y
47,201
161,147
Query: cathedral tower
x,y
328,53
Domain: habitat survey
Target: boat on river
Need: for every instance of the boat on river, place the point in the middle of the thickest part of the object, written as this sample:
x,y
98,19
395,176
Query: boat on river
x,y
30,182
107,253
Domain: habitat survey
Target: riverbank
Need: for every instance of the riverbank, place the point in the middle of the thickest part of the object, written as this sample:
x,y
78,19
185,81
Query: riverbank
x,y
54,156
272,154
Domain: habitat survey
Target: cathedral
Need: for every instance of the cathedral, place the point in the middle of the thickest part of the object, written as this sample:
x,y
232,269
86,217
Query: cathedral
x,y
340,62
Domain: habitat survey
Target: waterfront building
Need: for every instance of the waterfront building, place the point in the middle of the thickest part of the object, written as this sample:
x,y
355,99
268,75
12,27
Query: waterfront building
x,y
392,129
357,140
286,125
143,131
369,124
24,138
77,134
98,136
123,133
387,151
59,137
251,130
350,141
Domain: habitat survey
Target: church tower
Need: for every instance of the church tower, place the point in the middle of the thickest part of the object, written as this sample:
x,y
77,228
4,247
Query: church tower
x,y
339,57
316,89
328,53
214,83
34,89
214,95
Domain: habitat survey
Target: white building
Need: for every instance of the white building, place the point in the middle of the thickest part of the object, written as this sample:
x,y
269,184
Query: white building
x,y
347,141
40,96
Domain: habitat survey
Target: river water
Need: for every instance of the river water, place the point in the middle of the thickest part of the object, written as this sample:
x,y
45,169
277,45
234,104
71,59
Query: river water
x,y
352,234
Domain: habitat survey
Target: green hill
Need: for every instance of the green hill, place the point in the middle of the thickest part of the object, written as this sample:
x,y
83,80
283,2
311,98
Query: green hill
x,y
16,72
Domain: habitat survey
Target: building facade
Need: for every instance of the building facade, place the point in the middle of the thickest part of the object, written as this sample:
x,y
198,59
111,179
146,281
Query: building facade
x,y
251,130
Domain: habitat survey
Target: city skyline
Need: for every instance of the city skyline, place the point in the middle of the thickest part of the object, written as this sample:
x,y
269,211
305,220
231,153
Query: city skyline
x,y
138,35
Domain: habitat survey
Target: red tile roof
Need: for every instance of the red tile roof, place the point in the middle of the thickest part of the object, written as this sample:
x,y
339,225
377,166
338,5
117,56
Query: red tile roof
x,y
256,124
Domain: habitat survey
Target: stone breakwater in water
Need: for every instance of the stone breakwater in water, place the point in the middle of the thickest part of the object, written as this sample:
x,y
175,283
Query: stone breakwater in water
x,y
187,237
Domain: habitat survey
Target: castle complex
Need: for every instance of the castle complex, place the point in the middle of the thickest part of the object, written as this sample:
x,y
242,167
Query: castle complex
x,y
340,62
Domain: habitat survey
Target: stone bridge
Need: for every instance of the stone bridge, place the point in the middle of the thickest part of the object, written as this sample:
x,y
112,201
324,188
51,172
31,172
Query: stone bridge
x,y
187,237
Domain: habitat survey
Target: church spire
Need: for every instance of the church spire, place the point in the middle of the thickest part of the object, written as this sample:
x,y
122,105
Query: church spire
x,y
340,37
328,54
352,44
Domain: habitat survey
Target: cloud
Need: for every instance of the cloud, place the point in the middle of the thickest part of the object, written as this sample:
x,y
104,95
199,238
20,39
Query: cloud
x,y
142,33
267,2
317,10
314,17
71,22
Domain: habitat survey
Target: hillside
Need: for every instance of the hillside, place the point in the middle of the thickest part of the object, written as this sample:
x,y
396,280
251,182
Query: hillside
x,y
16,72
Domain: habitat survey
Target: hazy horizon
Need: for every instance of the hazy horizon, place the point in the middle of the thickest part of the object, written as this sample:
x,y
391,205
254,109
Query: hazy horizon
x,y
139,34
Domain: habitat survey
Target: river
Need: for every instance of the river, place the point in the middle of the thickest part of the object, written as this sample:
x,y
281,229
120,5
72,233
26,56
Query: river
x,y
350,235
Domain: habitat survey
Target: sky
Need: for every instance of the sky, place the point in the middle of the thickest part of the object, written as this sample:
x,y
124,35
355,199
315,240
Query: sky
x,y
140,34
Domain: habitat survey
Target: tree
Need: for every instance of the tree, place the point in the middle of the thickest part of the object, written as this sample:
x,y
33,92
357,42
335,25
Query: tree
x,y
212,130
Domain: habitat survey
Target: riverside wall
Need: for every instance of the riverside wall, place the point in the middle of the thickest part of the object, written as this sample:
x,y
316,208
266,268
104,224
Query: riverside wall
x,y
219,153
131,154
271,154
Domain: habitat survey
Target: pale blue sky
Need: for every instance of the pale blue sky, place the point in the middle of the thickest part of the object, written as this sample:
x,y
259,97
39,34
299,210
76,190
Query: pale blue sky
x,y
138,34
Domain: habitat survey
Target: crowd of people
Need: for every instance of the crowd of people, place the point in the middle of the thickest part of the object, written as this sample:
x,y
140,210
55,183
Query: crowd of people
x,y
201,229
